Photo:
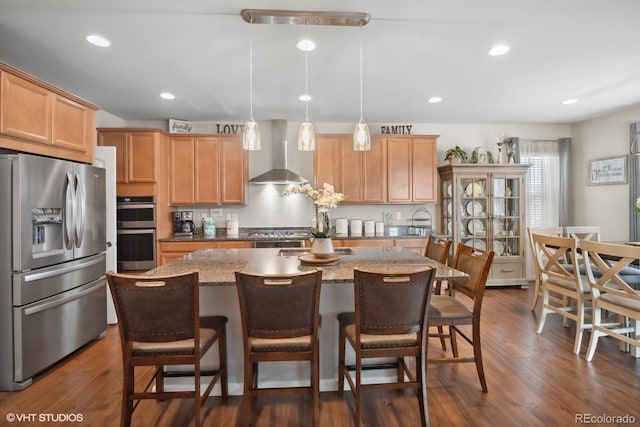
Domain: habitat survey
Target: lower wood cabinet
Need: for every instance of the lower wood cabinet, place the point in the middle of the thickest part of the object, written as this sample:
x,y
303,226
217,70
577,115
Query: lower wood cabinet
x,y
416,245
169,251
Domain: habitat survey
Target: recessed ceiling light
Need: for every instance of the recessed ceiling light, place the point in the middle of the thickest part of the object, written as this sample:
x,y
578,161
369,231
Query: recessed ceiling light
x,y
306,45
569,101
304,97
434,100
499,49
97,40
167,95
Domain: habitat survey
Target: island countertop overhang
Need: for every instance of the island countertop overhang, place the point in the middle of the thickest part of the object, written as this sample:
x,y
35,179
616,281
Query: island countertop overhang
x,y
217,267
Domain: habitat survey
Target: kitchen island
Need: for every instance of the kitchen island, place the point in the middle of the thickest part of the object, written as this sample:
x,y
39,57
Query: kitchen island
x,y
218,296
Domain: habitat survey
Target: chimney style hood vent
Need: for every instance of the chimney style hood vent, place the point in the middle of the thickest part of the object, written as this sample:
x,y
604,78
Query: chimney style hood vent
x,y
280,174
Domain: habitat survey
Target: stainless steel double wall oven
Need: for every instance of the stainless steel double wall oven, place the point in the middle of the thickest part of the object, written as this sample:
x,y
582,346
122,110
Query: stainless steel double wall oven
x,y
136,224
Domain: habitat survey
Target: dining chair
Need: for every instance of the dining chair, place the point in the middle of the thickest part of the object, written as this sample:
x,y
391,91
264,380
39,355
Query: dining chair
x,y
280,323
538,259
583,232
389,321
438,250
611,293
564,280
160,325
463,307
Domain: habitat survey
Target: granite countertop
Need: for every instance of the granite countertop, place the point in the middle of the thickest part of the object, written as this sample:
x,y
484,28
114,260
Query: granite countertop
x,y
243,234
218,266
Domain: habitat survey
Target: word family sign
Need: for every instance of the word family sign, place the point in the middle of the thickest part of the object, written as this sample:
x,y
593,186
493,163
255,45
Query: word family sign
x,y
180,126
396,129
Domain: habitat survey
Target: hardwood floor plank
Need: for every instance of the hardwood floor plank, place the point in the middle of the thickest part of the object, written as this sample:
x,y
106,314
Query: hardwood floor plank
x,y
533,380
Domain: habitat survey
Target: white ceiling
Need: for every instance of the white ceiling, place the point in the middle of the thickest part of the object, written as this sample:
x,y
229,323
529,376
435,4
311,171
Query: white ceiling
x,y
413,49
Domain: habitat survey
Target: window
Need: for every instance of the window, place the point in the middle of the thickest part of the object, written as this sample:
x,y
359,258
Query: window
x,y
543,181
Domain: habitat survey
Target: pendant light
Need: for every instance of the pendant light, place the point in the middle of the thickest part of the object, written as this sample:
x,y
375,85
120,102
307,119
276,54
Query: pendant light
x,y
251,133
306,133
361,135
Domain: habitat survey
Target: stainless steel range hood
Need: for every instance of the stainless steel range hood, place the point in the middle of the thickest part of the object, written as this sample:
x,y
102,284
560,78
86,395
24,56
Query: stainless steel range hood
x,y
280,174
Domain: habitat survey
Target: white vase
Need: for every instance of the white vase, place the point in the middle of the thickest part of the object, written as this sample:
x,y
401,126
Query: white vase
x,y
322,247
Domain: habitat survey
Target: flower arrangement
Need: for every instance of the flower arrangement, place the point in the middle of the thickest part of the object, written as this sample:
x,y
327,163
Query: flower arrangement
x,y
636,207
324,199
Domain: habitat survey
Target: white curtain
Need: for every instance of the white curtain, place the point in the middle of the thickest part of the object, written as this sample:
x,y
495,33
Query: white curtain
x,y
543,181
543,186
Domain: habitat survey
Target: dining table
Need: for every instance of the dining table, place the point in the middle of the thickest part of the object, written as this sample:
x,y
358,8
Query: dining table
x,y
218,296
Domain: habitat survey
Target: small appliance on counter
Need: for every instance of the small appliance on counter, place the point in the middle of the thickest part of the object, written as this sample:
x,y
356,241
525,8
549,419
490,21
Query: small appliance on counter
x,y
183,224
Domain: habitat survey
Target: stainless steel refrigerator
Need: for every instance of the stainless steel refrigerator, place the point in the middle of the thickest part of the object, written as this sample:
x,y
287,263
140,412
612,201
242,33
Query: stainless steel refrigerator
x,y
52,262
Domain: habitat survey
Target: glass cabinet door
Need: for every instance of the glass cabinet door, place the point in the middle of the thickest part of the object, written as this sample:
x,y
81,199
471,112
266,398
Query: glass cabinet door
x,y
447,207
506,227
474,207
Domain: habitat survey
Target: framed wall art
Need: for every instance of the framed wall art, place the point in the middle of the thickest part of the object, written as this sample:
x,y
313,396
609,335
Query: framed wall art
x,y
607,170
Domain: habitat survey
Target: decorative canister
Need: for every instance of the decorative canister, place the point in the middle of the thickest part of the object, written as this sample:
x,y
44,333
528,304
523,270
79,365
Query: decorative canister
x,y
209,228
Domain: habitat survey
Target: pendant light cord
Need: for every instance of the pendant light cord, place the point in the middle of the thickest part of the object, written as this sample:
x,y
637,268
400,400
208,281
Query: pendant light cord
x,y
251,74
306,73
361,114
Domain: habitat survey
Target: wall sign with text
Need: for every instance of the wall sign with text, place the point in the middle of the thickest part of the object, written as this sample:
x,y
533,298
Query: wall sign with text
x,y
608,170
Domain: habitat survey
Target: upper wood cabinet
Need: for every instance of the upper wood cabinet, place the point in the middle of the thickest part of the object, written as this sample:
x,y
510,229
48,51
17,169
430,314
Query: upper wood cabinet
x,y
137,154
411,169
207,169
327,162
38,118
361,175
396,170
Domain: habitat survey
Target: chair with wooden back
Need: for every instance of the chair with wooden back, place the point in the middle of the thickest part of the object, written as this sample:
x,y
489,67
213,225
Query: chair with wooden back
x,y
438,250
451,312
280,323
612,293
583,232
160,325
564,280
390,321
537,257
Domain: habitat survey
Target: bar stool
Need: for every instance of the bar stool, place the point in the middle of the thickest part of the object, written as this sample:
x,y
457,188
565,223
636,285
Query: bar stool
x,y
280,322
160,325
390,320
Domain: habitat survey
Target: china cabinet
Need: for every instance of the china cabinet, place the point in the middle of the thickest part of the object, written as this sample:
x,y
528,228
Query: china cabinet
x,y
484,206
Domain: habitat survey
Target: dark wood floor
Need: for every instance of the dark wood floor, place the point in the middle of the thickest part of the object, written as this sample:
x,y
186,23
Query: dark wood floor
x,y
533,380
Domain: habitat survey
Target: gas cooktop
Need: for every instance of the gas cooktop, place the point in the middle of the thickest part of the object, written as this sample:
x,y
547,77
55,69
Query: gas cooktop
x,y
280,234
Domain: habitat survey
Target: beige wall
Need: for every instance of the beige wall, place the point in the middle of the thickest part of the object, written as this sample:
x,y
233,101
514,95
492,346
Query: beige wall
x,y
604,205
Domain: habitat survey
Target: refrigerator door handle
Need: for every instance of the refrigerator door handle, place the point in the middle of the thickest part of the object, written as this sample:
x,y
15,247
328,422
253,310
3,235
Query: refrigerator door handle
x,y
62,299
31,277
79,213
69,202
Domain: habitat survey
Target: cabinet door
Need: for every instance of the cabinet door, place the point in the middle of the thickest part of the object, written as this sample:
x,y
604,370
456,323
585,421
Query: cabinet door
x,y
352,172
367,242
142,148
206,170
327,163
26,110
118,140
399,168
424,170
181,177
374,177
233,165
71,124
